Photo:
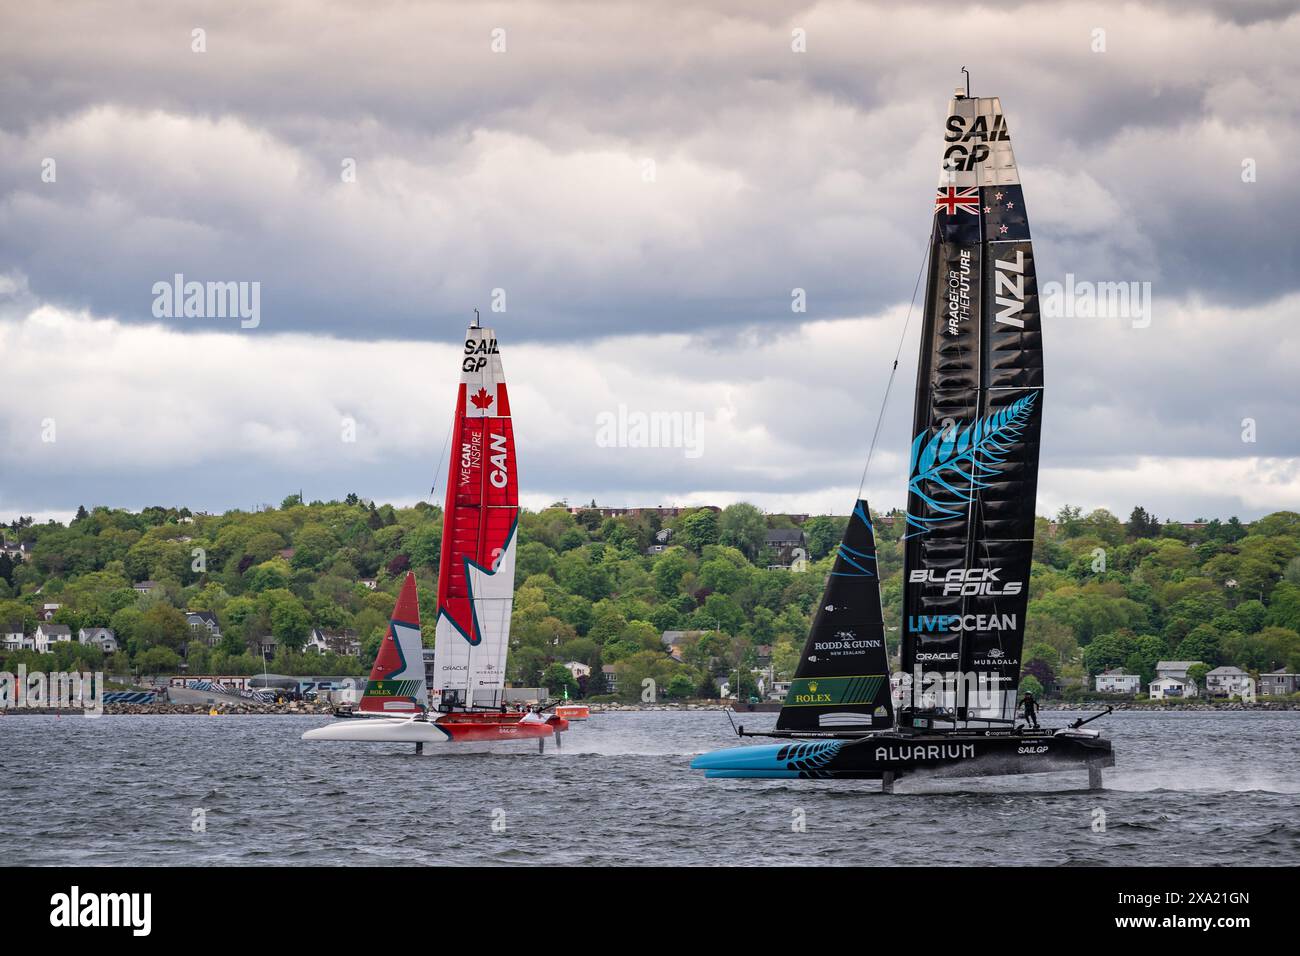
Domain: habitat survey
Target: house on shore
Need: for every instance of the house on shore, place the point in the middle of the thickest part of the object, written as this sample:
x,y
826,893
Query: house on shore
x,y
1228,682
611,678
1279,683
13,639
1177,669
1173,688
1115,681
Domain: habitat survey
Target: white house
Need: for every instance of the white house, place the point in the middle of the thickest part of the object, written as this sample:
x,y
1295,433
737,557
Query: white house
x,y
1166,688
144,587
1174,668
578,669
101,637
15,640
48,635
1227,682
345,643
370,584
47,611
1115,681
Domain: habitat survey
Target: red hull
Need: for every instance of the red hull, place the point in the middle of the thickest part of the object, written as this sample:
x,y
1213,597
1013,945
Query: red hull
x,y
497,725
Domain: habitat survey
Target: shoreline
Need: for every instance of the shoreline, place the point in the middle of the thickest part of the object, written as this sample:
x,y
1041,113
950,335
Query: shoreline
x,y
324,710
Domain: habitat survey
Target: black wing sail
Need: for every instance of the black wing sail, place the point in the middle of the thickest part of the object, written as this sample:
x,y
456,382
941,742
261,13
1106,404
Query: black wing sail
x,y
973,472
842,681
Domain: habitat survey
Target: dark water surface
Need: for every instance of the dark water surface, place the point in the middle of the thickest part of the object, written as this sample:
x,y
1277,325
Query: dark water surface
x,y
1187,788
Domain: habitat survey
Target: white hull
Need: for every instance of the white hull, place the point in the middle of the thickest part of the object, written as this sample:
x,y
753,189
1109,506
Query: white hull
x,y
400,730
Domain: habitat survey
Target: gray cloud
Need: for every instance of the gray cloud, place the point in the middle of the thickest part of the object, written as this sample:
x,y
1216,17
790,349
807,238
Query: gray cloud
x,y
524,170
527,171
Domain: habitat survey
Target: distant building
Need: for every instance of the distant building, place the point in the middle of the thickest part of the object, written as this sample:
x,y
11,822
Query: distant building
x,y
267,645
611,679
205,622
101,637
578,669
1279,683
1165,688
789,548
662,541
13,639
48,611
47,635
659,512
1227,682
344,643
370,584
1177,669
145,587
1115,681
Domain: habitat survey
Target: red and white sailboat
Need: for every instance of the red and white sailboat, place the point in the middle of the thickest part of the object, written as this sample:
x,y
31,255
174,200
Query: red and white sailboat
x,y
475,592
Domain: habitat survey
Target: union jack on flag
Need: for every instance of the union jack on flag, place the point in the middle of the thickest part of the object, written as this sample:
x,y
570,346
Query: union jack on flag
x,y
950,199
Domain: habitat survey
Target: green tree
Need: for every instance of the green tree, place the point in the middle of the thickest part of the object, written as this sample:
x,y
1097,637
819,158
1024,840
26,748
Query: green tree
x,y
699,528
742,526
557,679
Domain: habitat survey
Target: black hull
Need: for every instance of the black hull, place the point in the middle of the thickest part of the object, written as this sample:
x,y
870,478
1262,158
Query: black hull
x,y
892,756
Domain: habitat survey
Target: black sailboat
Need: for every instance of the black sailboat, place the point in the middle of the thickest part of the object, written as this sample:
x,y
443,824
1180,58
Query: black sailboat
x,y
968,542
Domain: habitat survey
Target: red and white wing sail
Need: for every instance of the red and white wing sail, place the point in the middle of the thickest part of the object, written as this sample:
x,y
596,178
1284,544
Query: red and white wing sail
x,y
476,574
397,684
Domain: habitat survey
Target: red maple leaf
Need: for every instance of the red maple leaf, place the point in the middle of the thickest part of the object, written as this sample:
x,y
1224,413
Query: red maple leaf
x,y
481,398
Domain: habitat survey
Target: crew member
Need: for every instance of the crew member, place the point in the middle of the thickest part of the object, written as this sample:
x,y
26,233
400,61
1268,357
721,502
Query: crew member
x,y
1031,710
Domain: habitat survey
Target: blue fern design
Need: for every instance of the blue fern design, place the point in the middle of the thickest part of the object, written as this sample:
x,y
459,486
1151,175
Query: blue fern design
x,y
963,455
809,758
853,557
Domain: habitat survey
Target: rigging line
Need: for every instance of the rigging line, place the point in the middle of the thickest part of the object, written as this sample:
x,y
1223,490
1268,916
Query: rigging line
x,y
884,402
437,468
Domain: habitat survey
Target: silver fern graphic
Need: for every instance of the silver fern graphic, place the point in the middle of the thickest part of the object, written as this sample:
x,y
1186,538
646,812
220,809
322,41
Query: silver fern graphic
x,y
963,456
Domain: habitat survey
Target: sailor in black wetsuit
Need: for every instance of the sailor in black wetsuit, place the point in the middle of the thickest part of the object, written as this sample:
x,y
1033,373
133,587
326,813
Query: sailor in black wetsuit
x,y
1031,710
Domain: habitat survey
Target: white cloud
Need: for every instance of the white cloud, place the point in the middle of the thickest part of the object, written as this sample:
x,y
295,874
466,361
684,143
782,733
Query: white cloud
x,y
155,414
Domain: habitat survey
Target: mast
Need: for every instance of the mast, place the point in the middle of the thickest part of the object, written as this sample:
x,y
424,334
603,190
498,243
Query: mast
x,y
973,471
477,565
842,681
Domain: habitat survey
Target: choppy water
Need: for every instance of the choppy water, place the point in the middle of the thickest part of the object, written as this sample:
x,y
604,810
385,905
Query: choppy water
x,y
1187,788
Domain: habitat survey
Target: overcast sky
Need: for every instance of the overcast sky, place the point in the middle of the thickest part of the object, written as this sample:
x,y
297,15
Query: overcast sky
x,y
646,184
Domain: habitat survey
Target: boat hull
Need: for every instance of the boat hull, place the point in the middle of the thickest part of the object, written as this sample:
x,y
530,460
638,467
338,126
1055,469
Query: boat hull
x,y
448,729
901,755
